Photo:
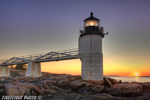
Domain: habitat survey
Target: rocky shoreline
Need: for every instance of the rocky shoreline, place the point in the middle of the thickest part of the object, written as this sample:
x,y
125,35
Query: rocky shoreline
x,y
67,87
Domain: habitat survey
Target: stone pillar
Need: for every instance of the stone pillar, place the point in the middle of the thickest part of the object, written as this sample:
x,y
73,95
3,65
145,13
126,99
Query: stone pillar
x,y
90,49
92,66
4,70
33,69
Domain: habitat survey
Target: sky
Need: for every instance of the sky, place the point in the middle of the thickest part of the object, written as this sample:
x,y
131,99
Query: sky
x,y
40,26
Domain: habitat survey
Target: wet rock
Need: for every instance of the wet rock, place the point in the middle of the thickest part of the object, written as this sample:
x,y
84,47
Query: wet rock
x,y
97,88
2,79
125,90
104,96
85,90
72,78
77,84
1,86
146,87
102,82
143,98
7,78
26,85
72,97
56,97
120,81
37,91
27,88
63,82
93,98
30,87
46,87
50,91
67,91
50,81
116,92
2,91
113,81
107,81
92,89
14,90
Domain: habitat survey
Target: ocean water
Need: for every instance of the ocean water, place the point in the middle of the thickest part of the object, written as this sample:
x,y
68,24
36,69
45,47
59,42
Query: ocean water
x,y
132,79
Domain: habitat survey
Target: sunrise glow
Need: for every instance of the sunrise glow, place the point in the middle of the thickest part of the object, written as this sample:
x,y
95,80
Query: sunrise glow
x,y
136,74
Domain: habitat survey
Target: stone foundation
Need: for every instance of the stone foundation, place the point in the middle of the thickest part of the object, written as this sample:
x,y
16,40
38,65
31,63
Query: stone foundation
x,y
4,71
33,69
92,66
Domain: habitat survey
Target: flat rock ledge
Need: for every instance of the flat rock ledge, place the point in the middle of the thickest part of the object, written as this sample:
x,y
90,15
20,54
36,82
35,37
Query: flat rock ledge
x,y
67,87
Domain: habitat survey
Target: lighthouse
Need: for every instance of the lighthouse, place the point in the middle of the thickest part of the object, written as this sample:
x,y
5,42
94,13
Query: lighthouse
x,y
90,49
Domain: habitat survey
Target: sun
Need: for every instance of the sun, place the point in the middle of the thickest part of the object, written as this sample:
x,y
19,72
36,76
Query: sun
x,y
136,74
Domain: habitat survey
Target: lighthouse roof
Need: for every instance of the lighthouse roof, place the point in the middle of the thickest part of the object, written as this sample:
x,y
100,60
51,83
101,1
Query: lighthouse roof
x,y
91,17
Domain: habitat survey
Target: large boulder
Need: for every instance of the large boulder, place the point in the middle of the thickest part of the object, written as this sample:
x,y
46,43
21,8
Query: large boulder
x,y
64,82
37,91
125,90
49,81
92,89
77,84
2,89
72,97
14,90
108,81
50,91
1,86
21,89
27,86
146,87
73,78
97,88
113,81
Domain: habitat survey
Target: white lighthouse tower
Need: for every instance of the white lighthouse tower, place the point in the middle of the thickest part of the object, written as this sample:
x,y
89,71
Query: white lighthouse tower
x,y
90,49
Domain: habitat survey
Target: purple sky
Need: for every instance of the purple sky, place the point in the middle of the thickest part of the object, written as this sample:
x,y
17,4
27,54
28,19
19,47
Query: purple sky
x,y
39,26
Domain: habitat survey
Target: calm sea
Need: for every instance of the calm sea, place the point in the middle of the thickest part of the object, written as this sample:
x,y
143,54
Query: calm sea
x,y
132,79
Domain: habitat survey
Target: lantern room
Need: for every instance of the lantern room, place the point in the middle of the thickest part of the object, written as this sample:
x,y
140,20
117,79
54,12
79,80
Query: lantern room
x,y
92,26
91,21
